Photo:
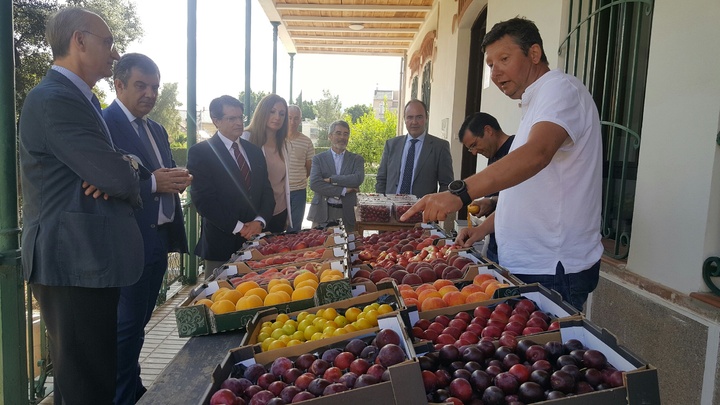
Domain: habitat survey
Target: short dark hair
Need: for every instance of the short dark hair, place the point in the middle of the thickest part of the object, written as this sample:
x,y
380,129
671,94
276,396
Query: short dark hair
x,y
341,123
476,124
217,105
523,31
123,68
422,103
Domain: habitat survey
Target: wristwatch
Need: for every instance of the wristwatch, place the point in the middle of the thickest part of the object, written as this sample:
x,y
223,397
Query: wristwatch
x,y
459,188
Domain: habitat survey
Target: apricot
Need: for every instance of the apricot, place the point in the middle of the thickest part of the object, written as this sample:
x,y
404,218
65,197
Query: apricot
x,y
246,286
428,294
208,303
424,287
477,297
471,288
492,287
408,294
478,280
447,289
484,285
438,284
259,291
303,293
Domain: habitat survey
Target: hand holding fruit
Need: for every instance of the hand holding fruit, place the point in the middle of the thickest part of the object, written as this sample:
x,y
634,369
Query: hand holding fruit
x,y
482,207
468,236
434,207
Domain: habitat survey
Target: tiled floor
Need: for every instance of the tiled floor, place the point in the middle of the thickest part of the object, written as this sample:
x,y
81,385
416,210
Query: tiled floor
x,y
161,340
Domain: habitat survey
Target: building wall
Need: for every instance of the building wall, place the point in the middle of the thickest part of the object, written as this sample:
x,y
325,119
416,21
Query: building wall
x,y
675,221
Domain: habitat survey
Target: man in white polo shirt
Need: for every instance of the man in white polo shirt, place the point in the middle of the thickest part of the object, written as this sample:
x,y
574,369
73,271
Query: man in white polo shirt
x,y
547,220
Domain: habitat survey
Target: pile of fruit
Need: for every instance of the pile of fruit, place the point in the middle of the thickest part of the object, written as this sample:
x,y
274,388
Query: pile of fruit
x,y
523,374
264,277
286,258
287,242
324,323
310,375
399,247
505,322
250,294
443,293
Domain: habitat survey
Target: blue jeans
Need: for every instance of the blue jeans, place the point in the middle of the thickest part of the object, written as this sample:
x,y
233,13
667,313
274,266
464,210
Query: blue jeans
x,y
574,287
297,208
134,312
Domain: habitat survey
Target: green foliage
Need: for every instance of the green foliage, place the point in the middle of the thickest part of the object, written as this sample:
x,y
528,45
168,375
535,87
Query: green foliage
x,y
368,136
167,115
357,111
255,98
32,54
179,155
306,107
328,111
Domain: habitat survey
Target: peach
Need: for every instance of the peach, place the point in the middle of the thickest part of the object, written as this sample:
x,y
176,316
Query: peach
x,y
408,294
471,288
447,289
428,294
453,298
484,285
411,301
478,280
424,287
433,303
438,284
477,297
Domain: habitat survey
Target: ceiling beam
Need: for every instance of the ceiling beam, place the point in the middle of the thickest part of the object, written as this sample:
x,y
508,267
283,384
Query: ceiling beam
x,y
292,28
339,38
349,53
386,8
381,20
350,46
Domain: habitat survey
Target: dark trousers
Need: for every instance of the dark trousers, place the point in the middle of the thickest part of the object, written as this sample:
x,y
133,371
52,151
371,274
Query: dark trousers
x,y
573,287
82,328
133,313
297,208
278,223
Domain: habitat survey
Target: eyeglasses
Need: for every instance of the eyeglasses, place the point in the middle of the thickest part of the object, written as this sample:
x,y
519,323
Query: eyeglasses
x,y
473,148
108,41
340,133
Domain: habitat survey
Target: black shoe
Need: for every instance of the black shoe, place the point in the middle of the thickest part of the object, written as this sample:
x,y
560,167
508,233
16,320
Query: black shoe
x,y
139,393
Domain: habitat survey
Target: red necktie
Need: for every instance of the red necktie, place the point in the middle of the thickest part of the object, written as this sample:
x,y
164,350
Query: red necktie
x,y
242,164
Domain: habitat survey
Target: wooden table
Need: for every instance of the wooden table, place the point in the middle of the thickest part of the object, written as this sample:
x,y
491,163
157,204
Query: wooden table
x,y
189,374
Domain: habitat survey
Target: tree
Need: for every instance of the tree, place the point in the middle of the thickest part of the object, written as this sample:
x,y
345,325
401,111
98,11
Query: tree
x,y
306,107
368,136
328,110
254,100
166,113
32,54
357,111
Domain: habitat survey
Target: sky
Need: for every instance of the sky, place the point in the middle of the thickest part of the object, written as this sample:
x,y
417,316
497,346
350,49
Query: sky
x,y
221,56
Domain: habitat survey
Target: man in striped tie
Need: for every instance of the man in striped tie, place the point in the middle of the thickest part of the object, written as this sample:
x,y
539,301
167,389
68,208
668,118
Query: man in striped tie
x,y
230,190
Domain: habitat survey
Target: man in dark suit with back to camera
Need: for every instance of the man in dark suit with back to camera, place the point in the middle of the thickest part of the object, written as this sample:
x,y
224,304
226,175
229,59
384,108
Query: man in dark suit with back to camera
x,y
80,241
230,190
418,163
137,80
335,177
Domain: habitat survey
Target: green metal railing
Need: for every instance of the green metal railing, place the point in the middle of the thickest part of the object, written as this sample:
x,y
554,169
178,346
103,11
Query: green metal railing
x,y
607,48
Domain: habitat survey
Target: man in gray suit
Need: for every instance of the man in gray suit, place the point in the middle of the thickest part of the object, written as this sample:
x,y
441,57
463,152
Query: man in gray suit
x,y
335,177
80,240
417,163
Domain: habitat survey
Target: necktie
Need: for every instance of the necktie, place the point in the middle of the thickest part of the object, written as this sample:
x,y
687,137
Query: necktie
x,y
408,173
166,199
242,164
96,103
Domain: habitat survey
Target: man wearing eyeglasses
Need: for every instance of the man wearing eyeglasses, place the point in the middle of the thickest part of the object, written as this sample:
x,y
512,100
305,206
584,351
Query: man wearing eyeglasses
x,y
80,240
230,186
417,163
481,133
335,177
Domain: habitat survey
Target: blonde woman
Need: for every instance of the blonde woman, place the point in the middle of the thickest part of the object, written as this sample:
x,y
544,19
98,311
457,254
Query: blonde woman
x,y
268,129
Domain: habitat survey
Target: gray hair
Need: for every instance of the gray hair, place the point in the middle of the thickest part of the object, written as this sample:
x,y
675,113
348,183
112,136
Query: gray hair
x,y
341,123
294,107
62,25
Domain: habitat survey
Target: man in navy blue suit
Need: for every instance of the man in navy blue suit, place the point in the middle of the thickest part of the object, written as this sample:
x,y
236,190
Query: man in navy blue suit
x,y
137,79
80,242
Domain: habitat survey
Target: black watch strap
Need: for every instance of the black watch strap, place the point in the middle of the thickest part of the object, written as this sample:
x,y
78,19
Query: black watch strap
x,y
465,197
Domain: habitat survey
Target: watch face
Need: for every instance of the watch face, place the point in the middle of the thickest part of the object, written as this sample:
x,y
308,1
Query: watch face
x,y
455,185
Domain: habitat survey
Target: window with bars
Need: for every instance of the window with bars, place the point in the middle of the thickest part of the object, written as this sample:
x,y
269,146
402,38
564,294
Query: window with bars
x,y
607,48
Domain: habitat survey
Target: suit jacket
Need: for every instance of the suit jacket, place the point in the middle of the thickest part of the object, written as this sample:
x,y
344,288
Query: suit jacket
x,y
126,138
352,174
222,200
433,170
70,239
